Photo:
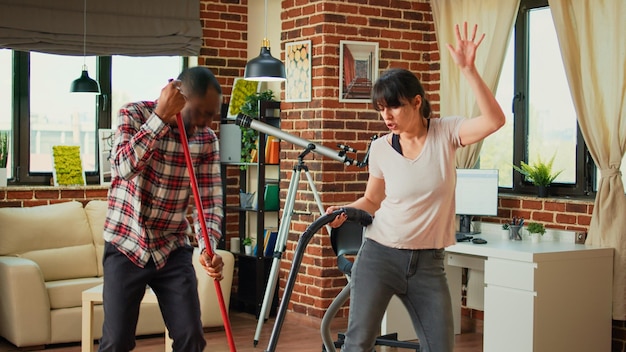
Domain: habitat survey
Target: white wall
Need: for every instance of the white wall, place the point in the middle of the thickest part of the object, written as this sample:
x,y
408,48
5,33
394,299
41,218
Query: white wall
x,y
256,33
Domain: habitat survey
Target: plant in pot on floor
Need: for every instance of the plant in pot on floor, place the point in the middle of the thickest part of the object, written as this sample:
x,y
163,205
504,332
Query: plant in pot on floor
x,y
539,174
249,136
535,230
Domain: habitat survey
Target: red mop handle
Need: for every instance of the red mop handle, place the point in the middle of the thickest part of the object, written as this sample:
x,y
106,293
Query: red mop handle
x,y
205,235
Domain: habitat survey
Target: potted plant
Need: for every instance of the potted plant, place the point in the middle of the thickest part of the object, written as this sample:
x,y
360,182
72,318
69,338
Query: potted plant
x,y
249,136
539,173
505,231
4,153
535,230
247,245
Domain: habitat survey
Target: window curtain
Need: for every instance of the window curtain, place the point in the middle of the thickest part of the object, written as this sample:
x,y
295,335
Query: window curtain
x,y
495,18
133,28
591,38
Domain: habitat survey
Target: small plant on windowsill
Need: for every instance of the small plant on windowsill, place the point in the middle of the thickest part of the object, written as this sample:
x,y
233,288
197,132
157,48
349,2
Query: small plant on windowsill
x,y
250,107
539,174
4,149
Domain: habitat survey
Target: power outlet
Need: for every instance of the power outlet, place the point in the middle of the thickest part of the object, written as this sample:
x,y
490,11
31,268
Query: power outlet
x,y
580,237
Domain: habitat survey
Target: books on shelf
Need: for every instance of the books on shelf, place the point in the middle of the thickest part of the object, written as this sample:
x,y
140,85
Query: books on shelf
x,y
269,242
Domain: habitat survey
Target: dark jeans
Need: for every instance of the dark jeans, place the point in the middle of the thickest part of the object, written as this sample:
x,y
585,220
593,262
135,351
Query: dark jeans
x,y
176,288
418,278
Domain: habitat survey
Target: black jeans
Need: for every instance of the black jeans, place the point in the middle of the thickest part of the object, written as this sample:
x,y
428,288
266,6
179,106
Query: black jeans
x,y
175,286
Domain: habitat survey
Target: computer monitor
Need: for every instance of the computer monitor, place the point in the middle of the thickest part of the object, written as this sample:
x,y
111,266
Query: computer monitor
x,y
476,194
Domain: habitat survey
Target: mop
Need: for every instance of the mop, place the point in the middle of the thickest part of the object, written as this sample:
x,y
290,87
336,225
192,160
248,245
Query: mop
x,y
205,236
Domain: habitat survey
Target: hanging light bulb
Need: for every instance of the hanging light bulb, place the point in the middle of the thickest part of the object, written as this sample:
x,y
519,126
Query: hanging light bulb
x,y
265,67
85,84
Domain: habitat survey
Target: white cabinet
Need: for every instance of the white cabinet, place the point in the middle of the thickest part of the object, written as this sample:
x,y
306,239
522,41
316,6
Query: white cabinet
x,y
542,297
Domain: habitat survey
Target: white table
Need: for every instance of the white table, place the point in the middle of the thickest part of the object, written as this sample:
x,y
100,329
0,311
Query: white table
x,y
94,295
541,297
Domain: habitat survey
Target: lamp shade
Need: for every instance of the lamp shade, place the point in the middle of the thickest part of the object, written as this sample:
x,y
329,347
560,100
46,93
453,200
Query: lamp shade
x,y
265,67
85,84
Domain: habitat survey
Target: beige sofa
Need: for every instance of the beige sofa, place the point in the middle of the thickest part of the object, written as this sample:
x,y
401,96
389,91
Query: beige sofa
x,y
49,254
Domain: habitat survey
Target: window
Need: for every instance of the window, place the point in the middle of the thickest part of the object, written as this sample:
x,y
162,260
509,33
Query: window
x,y
37,107
6,106
541,120
140,78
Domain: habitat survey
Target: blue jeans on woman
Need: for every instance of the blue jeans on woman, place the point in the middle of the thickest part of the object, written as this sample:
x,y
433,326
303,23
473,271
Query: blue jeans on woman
x,y
175,286
418,278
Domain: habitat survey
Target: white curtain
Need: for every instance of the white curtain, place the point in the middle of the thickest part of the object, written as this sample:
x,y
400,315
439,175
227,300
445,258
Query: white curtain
x,y
495,18
138,27
592,38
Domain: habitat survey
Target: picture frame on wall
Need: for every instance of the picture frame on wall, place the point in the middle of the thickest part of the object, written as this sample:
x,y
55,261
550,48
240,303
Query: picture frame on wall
x,y
241,90
298,71
67,166
105,139
358,70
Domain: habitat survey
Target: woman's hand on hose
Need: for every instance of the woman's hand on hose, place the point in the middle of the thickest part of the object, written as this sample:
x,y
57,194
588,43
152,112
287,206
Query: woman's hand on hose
x,y
340,219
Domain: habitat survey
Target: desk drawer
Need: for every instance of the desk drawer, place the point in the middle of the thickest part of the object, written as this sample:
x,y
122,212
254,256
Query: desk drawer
x,y
511,274
466,261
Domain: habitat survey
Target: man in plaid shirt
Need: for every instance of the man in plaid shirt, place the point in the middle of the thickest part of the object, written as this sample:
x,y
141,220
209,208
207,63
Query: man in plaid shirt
x,y
146,232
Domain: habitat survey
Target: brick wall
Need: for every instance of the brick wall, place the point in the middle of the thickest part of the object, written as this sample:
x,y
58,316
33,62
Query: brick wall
x,y
44,195
405,36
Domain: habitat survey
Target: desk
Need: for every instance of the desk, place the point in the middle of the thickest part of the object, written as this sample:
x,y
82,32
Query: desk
x,y
94,295
541,297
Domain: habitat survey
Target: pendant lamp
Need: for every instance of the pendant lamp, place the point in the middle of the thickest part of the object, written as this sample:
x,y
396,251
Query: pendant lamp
x,y
85,84
265,67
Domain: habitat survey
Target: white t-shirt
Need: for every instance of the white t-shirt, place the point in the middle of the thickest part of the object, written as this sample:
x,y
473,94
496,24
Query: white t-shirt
x,y
418,209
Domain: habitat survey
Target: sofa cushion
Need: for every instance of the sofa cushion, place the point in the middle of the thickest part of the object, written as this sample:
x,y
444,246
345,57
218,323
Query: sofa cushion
x,y
57,237
68,293
96,211
65,263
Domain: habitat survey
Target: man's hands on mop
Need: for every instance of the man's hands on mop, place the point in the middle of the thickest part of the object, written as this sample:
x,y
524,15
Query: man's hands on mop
x,y
171,102
212,266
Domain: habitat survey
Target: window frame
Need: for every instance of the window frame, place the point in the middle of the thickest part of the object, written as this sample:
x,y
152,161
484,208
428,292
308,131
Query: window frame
x,y
21,118
585,167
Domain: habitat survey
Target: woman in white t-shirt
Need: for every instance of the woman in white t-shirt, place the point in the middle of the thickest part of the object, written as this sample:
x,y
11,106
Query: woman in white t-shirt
x,y
410,192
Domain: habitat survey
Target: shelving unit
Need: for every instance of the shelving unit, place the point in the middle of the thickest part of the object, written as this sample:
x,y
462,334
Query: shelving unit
x,y
253,270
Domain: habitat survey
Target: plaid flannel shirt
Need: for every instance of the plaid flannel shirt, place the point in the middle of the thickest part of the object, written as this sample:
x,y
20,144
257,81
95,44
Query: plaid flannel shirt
x,y
150,189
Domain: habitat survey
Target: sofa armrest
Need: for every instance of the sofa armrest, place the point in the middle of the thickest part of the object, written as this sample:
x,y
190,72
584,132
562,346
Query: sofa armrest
x,y
209,305
24,303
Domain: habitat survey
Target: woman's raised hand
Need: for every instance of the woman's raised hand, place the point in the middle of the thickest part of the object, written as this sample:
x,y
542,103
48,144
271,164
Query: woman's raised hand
x,y
464,53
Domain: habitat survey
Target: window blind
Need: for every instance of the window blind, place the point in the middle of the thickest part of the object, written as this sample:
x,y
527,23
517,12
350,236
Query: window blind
x,y
114,27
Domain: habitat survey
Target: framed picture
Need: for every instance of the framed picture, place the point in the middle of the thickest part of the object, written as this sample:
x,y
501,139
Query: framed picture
x,y
358,70
67,166
241,89
298,71
105,138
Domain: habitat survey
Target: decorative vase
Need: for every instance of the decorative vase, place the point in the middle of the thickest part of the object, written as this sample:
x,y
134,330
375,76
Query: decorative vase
x,y
3,176
542,191
235,244
535,237
505,234
248,249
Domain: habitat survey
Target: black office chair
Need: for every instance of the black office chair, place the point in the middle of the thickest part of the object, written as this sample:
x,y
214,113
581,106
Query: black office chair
x,y
346,241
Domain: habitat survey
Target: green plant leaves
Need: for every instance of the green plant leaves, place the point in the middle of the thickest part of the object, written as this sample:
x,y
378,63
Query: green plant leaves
x,y
4,148
539,173
249,136
535,227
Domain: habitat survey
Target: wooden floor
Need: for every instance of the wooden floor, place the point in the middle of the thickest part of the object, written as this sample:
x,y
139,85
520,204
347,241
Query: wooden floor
x,y
295,335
